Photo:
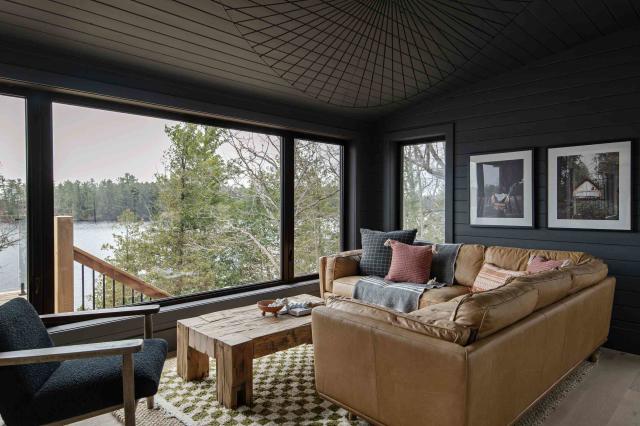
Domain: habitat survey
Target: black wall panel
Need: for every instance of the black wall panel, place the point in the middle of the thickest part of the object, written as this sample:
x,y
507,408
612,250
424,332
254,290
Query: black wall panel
x,y
587,94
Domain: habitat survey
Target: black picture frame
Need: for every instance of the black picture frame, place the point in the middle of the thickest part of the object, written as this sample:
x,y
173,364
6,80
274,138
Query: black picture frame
x,y
554,223
529,196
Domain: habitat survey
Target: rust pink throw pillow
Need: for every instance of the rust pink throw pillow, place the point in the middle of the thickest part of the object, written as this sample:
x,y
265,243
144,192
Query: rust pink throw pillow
x,y
409,263
542,264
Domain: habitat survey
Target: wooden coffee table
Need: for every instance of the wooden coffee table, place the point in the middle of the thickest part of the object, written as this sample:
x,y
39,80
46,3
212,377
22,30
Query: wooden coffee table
x,y
234,338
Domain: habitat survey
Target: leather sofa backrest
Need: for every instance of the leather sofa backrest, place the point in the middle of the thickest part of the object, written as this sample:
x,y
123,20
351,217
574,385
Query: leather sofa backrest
x,y
487,312
491,311
516,259
587,274
440,328
552,286
468,264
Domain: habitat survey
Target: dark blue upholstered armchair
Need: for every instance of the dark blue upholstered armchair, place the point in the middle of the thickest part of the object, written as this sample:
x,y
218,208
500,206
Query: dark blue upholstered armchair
x,y
44,384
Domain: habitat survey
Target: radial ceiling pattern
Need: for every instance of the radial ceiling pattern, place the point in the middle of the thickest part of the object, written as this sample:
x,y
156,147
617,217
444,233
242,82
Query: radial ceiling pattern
x,y
361,53
360,58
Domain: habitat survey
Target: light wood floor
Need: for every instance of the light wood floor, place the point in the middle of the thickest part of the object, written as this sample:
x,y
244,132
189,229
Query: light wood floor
x,y
609,396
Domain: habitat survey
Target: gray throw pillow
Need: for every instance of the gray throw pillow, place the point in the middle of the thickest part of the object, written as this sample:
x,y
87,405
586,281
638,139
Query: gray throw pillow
x,y
376,257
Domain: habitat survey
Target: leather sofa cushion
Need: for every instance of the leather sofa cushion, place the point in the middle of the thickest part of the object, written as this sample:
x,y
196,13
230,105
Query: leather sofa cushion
x,y
587,274
442,329
491,311
468,264
552,286
344,286
340,266
441,295
516,259
486,312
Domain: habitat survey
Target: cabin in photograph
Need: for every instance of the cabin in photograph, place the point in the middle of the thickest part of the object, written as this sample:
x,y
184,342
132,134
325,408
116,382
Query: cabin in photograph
x,y
587,190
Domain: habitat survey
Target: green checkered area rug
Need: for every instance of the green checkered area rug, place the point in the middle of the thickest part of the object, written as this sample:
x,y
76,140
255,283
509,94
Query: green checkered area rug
x,y
284,394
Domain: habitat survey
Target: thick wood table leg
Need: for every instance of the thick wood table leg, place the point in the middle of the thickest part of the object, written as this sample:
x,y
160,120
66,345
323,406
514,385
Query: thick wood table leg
x,y
191,364
234,371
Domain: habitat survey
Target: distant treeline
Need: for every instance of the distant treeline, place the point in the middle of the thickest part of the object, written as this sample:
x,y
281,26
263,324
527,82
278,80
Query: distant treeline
x,y
107,199
86,201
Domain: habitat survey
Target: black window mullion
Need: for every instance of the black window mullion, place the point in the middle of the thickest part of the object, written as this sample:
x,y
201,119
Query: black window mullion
x,y
40,261
287,224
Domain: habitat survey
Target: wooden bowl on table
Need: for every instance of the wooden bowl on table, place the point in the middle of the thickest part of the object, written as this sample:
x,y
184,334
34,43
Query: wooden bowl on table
x,y
263,305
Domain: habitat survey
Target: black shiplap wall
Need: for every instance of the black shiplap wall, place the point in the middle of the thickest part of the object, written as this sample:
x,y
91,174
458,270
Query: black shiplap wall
x,y
587,94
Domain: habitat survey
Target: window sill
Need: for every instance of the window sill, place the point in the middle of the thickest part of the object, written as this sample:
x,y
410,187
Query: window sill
x,y
165,322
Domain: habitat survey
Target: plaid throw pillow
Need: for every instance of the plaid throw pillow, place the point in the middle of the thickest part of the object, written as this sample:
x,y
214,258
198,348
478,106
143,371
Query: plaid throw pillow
x,y
376,257
542,264
490,277
409,264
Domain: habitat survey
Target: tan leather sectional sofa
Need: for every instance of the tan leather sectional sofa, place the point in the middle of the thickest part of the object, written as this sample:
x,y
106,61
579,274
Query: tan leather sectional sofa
x,y
461,358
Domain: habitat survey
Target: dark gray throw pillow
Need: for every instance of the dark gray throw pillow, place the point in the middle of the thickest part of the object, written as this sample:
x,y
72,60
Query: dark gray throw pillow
x,y
376,257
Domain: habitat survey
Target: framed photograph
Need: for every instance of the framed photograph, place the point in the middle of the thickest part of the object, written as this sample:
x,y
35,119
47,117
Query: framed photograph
x,y
590,186
501,189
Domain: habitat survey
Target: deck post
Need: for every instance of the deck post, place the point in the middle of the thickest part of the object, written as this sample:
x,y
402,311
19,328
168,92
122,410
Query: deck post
x,y
63,263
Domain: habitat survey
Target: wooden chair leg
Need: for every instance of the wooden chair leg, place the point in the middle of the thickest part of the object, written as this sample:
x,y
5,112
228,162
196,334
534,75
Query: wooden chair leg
x,y
128,390
151,403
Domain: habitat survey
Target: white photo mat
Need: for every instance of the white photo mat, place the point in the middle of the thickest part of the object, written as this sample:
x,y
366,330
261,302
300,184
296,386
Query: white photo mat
x,y
623,223
527,219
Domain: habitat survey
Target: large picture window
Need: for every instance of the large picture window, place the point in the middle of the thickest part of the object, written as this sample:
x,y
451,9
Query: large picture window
x,y
423,189
317,203
185,208
156,205
13,202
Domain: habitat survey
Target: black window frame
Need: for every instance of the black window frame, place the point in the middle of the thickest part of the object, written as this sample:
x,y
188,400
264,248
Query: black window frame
x,y
395,143
40,186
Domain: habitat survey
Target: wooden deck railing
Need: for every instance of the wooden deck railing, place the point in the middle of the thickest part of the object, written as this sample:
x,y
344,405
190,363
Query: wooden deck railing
x,y
121,281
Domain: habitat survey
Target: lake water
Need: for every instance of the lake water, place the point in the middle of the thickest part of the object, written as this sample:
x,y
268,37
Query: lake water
x,y
88,236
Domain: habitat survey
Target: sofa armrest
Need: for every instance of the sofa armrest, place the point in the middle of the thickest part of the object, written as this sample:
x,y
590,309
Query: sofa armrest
x,y
336,266
386,374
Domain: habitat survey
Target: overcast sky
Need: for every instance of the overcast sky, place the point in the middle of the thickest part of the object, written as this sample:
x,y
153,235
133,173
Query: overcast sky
x,y
12,137
87,143
92,143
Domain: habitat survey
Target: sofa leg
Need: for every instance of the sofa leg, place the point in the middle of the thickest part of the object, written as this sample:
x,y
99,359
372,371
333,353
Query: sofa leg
x,y
151,403
351,417
594,356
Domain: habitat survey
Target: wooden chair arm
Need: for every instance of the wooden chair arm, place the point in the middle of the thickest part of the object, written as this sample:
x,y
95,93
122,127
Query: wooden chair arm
x,y
63,353
51,320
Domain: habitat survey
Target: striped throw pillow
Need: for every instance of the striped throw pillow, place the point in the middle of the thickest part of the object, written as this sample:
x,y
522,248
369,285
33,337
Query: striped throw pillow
x,y
538,264
490,277
409,263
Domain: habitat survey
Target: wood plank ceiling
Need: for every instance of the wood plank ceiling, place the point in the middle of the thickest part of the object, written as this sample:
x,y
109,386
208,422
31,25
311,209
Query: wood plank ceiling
x,y
371,56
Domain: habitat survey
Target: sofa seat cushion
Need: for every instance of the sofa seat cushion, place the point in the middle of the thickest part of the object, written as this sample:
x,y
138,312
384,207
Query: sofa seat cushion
x,y
439,328
516,259
552,286
344,286
470,260
441,295
587,274
85,385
